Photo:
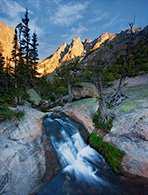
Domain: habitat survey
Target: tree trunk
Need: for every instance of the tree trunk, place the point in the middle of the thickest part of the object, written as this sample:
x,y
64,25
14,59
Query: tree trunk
x,y
69,90
16,97
101,101
120,86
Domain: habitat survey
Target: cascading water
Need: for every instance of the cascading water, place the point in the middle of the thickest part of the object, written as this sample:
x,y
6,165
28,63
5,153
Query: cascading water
x,y
84,170
76,157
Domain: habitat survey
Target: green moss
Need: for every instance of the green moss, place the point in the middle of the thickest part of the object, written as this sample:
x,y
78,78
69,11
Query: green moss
x,y
129,105
141,90
5,113
112,155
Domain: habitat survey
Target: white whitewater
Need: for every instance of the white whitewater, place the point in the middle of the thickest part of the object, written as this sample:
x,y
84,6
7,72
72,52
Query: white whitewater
x,y
76,157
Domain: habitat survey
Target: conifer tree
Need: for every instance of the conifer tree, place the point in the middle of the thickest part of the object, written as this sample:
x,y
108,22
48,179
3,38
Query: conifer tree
x,y
21,64
2,74
70,74
34,55
26,47
15,55
8,74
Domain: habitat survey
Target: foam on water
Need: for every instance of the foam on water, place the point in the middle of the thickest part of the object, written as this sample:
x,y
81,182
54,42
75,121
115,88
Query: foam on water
x,y
76,156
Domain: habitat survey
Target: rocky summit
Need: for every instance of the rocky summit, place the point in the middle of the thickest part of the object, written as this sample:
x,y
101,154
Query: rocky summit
x,y
64,53
6,38
107,47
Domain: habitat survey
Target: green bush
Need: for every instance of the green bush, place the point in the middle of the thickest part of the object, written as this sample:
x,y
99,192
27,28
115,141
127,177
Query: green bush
x,y
111,154
61,90
6,112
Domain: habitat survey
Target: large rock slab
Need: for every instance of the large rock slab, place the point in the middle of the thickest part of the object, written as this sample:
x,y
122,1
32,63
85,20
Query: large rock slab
x,y
82,111
130,133
22,155
34,97
87,90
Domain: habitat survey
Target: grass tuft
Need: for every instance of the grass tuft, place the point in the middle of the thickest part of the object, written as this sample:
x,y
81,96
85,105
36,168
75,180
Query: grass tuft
x,y
111,154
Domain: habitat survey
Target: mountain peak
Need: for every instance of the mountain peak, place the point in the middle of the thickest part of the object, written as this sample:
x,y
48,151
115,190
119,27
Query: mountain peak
x,y
6,38
76,49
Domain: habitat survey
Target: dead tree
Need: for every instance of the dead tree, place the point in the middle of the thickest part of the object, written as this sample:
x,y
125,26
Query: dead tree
x,y
105,115
118,97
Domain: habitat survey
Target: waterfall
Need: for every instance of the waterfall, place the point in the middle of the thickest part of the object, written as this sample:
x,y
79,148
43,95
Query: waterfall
x,y
84,170
75,156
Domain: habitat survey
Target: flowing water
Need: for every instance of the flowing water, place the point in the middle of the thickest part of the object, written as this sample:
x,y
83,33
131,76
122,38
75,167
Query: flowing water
x,y
84,170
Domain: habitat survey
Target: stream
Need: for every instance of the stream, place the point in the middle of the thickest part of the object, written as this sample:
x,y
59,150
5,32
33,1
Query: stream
x,y
85,171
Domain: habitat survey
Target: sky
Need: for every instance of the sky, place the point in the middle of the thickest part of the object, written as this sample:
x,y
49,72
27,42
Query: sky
x,y
56,21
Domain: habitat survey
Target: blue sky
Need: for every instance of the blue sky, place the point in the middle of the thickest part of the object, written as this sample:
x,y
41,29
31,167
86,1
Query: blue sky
x,y
56,21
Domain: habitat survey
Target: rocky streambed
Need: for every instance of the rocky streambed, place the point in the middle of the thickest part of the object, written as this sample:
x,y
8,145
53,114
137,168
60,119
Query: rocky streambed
x,y
27,159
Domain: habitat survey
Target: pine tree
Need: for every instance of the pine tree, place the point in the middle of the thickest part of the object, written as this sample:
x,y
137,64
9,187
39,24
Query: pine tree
x,y
8,73
2,74
26,47
70,74
15,55
34,55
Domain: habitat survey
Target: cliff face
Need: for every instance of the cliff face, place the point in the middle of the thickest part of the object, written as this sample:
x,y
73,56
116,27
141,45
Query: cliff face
x,y
64,53
98,41
6,38
49,64
76,49
107,47
116,45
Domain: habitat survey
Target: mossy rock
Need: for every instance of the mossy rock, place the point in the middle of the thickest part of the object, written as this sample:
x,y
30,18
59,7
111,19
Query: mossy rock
x,y
111,154
34,97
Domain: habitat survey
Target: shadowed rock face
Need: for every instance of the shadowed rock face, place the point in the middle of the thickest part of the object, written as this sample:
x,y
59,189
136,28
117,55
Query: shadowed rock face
x,y
6,38
25,154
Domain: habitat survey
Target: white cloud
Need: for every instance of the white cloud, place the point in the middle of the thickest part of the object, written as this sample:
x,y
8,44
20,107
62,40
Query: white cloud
x,y
75,32
57,1
34,3
34,27
11,8
112,22
67,14
99,17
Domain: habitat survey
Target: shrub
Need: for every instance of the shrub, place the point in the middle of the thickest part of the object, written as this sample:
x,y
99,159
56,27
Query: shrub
x,y
111,154
6,112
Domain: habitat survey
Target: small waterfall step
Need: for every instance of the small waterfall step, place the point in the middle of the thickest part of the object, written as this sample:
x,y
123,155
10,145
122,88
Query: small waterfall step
x,y
84,170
